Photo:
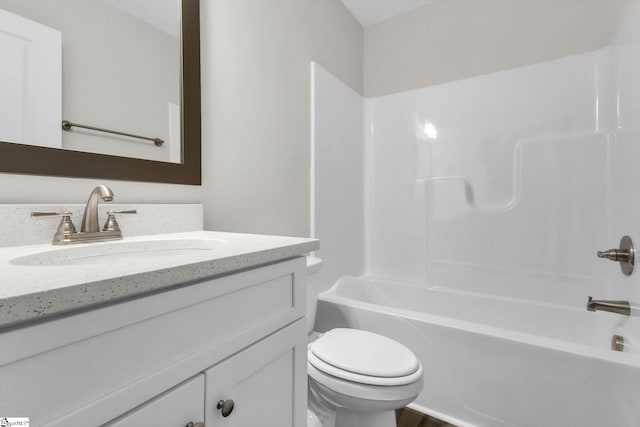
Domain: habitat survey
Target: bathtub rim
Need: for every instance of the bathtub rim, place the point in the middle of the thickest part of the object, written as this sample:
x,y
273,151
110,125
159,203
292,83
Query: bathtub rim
x,y
631,359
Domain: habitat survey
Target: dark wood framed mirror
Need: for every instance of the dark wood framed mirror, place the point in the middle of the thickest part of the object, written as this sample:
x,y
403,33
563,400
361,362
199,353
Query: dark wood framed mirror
x,y
33,160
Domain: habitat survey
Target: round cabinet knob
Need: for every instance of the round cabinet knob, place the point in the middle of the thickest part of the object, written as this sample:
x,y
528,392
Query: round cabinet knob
x,y
226,407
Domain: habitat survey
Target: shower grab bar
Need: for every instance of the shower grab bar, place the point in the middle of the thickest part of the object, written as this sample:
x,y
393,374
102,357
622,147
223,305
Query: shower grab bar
x,y
68,126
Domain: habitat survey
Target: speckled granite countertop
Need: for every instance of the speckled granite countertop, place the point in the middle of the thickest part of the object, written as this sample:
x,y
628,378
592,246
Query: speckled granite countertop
x,y
36,281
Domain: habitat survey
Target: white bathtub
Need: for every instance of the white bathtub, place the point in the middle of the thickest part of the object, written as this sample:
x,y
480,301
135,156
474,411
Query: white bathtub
x,y
496,361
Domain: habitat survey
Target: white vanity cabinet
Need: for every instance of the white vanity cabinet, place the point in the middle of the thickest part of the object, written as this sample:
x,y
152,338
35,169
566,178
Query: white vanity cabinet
x,y
163,358
179,406
261,384
256,387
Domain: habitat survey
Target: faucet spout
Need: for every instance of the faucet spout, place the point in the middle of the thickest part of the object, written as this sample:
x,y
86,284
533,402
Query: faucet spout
x,y
620,307
90,218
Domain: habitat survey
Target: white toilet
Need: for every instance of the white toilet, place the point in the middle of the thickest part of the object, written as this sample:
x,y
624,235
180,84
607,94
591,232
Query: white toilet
x,y
356,378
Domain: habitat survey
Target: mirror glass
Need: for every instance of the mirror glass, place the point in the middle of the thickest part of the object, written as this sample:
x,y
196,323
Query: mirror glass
x,y
101,64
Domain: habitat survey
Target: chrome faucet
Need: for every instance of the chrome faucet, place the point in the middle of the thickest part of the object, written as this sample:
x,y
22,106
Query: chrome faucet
x,y
620,307
90,217
90,229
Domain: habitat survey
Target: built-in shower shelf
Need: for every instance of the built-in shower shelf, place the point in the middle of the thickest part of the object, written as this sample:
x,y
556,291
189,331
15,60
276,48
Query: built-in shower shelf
x,y
540,170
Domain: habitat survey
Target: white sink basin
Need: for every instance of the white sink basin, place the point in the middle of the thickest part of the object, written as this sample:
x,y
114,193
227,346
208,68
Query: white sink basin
x,y
121,251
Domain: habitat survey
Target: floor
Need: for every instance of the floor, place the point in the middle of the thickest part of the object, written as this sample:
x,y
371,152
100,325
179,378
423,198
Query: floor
x,y
406,417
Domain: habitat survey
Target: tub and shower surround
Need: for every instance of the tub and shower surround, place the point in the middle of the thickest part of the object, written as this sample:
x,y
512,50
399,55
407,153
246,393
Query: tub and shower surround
x,y
496,192
502,176
507,184
488,199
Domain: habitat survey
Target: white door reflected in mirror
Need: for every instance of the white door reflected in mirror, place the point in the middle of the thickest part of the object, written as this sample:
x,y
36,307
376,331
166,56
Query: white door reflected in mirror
x,y
30,82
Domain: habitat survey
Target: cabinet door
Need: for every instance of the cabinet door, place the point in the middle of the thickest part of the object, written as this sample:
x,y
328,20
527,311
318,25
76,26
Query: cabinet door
x,y
174,408
266,382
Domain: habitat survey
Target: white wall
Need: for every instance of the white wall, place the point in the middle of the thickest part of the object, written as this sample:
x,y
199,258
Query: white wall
x,y
34,189
256,109
451,40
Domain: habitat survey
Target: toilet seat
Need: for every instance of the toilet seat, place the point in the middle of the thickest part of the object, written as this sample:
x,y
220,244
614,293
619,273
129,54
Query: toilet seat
x,y
361,397
364,357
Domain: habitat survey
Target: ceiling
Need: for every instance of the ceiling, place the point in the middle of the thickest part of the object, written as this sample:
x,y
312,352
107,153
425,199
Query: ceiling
x,y
370,12
161,14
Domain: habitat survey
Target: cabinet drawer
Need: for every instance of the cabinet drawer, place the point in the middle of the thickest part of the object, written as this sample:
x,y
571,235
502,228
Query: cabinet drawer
x,y
176,407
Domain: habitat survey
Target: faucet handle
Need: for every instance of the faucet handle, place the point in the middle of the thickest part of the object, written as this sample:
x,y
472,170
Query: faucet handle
x,y
111,224
50,214
65,227
625,255
129,212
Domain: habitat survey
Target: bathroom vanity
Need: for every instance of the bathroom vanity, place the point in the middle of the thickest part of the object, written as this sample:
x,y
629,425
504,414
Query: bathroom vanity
x,y
203,332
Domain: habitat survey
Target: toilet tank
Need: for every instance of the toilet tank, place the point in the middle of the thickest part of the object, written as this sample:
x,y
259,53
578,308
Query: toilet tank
x,y
313,272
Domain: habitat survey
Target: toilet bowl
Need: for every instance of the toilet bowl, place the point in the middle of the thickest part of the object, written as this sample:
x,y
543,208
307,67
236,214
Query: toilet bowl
x,y
356,378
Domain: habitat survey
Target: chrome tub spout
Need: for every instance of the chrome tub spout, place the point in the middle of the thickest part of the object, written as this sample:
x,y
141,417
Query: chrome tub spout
x,y
620,307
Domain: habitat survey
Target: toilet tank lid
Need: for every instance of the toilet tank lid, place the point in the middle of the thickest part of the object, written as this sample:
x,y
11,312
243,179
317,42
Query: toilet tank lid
x,y
313,264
